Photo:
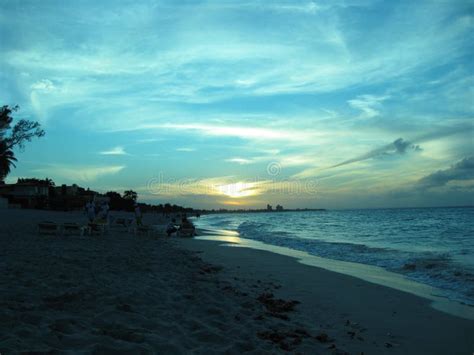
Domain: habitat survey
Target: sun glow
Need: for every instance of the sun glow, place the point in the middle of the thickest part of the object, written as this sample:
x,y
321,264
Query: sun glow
x,y
239,189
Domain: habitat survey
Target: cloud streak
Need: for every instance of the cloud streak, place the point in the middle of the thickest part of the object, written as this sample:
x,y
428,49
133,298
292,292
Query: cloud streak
x,y
79,173
114,151
398,146
461,170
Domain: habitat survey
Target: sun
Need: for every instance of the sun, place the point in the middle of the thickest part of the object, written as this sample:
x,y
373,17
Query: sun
x,y
239,189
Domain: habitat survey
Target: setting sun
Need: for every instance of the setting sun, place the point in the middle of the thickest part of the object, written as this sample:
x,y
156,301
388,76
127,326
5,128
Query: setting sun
x,y
239,189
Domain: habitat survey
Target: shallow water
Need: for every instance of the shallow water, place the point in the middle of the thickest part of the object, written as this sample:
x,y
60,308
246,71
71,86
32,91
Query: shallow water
x,y
434,246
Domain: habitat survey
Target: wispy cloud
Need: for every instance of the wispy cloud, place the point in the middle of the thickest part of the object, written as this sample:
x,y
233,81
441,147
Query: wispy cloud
x,y
242,132
308,8
241,161
398,146
75,173
368,104
43,85
241,189
185,149
228,187
119,150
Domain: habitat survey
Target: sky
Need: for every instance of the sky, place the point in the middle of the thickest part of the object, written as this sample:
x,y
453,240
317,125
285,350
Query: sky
x,y
236,104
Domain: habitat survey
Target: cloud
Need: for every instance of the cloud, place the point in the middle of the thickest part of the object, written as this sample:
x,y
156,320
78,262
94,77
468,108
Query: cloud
x,y
241,189
79,173
160,186
274,156
232,131
185,149
114,151
266,60
462,170
445,131
259,133
368,104
398,146
43,85
401,146
308,8
243,77
228,186
241,161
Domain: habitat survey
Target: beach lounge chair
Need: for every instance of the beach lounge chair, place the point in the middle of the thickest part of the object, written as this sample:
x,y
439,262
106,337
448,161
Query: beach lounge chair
x,y
123,222
97,228
119,222
72,228
105,223
186,232
48,227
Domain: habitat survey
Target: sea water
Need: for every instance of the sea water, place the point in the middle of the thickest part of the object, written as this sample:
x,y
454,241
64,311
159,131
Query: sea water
x,y
434,246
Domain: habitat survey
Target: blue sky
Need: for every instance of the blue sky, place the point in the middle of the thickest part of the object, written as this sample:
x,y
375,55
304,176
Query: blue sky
x,y
336,104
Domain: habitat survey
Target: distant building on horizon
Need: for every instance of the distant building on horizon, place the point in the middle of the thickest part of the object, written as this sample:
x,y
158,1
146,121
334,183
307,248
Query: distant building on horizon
x,y
26,194
42,194
73,197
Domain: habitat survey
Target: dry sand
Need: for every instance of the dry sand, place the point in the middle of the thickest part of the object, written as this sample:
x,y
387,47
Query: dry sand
x,y
126,294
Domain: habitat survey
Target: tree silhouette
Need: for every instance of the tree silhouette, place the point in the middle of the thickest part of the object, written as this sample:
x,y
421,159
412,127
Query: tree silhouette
x,y
43,182
7,159
130,195
16,136
129,199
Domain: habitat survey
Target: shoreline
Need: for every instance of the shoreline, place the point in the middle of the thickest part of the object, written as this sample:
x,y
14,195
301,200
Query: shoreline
x,y
365,272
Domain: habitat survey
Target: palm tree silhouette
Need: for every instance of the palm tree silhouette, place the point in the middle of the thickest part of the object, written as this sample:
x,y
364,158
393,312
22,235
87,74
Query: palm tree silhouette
x,y
16,136
7,160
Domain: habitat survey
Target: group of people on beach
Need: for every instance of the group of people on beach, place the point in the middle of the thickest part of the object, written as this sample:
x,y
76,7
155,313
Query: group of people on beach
x,y
95,211
186,224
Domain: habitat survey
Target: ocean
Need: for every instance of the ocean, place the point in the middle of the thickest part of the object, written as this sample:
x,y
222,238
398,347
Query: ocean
x,y
433,246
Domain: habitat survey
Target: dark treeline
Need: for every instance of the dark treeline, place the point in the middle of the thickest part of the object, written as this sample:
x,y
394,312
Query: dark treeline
x,y
126,202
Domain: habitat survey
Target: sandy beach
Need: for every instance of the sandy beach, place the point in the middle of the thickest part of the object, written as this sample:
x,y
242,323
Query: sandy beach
x,y
122,293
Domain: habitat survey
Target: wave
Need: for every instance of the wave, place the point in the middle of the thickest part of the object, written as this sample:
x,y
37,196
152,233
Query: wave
x,y
432,246
435,269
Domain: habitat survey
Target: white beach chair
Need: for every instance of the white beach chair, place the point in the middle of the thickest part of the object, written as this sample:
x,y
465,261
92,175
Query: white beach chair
x,y
97,228
123,222
48,227
73,228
